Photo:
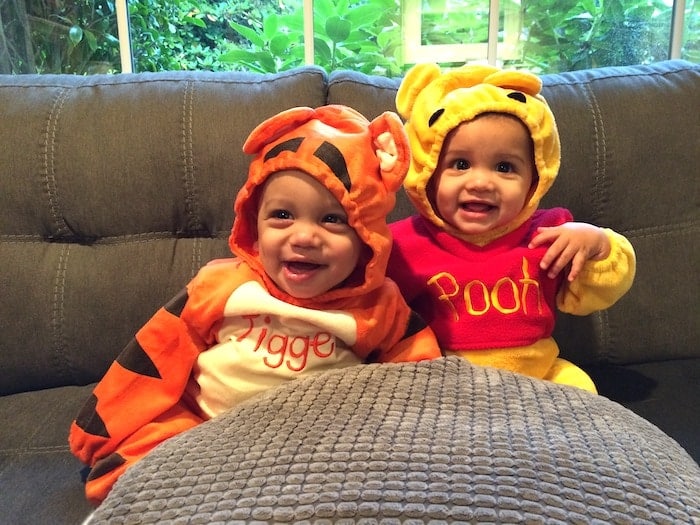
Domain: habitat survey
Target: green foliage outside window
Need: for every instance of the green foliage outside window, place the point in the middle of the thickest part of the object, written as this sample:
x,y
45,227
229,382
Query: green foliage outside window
x,y
566,35
80,36
364,36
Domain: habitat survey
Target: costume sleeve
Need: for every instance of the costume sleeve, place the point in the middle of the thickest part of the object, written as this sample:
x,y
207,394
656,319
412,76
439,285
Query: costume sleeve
x,y
601,283
151,373
389,331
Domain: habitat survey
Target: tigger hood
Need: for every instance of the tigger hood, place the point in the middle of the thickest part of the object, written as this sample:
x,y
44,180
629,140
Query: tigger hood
x,y
362,163
434,103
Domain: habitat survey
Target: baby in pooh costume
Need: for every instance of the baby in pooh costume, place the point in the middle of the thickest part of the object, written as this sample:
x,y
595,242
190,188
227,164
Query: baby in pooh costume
x,y
480,262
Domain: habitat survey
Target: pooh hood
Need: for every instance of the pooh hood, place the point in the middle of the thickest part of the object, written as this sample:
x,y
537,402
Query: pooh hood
x,y
434,103
362,163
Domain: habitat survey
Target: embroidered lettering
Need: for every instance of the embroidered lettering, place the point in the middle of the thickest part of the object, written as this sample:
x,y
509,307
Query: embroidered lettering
x,y
471,309
446,296
285,349
527,283
508,296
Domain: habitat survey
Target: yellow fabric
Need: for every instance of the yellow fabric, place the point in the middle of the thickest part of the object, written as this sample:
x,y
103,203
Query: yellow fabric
x,y
434,103
601,283
538,360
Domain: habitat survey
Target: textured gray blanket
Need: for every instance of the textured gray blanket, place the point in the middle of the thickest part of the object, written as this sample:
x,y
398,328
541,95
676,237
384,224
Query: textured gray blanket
x,y
439,442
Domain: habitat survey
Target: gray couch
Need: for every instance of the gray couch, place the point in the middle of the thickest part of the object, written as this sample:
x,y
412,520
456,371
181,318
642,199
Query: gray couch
x,y
114,190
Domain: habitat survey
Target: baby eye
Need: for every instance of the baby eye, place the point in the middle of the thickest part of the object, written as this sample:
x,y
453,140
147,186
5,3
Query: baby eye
x,y
280,214
334,218
504,167
461,164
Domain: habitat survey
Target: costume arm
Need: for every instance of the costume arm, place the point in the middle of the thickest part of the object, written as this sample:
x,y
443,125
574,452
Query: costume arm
x,y
389,331
601,283
150,375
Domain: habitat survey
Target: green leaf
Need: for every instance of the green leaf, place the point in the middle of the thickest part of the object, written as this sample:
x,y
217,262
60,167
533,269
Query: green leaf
x,y
236,55
324,9
279,44
248,33
91,40
322,50
75,34
194,21
270,26
338,29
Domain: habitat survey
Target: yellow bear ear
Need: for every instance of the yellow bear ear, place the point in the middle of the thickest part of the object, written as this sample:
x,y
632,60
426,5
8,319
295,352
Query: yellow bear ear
x,y
516,80
391,148
412,84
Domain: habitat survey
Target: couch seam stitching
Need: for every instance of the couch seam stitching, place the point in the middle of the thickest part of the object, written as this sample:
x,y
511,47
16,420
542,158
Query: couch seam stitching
x,y
167,78
58,307
681,68
191,201
48,166
597,192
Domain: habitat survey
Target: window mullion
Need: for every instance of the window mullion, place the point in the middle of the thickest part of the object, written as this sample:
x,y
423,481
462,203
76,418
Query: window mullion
x,y
127,59
308,8
677,23
492,47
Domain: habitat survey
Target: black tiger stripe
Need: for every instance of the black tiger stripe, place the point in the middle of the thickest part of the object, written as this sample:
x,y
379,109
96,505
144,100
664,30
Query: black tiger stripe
x,y
90,421
287,145
135,359
105,465
177,303
415,324
335,160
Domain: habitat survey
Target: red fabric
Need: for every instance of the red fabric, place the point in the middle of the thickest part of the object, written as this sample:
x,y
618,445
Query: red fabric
x,y
474,297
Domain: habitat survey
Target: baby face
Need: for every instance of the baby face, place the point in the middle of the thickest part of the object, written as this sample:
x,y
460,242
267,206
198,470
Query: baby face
x,y
305,243
485,173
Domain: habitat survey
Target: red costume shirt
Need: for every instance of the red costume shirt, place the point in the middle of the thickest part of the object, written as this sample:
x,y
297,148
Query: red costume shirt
x,y
477,297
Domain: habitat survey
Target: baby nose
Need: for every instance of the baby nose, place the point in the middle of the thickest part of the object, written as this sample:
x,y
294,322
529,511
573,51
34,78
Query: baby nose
x,y
305,235
479,180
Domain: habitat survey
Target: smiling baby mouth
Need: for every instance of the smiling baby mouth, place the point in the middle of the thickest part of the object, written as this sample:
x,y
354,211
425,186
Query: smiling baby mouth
x,y
477,207
301,267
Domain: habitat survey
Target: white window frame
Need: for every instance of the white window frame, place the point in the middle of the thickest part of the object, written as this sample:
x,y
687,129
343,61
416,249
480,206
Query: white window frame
x,y
413,50
493,50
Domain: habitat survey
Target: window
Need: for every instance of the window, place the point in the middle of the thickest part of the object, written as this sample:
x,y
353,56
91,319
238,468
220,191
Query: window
x,y
373,36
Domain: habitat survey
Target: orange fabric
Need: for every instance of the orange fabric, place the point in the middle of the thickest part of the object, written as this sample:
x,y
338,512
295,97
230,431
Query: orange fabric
x,y
362,164
174,421
143,398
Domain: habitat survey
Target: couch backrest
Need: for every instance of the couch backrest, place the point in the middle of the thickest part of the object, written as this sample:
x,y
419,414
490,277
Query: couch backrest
x,y
630,161
114,190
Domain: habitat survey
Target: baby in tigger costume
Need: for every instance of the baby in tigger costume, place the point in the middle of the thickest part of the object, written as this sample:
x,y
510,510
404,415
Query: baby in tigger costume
x,y
480,262
306,292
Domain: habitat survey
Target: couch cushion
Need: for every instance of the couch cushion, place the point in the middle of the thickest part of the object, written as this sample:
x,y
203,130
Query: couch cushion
x,y
630,139
115,191
664,392
438,440
40,478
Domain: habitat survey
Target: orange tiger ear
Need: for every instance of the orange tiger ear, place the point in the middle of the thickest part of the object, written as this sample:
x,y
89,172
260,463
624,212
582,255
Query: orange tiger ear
x,y
391,148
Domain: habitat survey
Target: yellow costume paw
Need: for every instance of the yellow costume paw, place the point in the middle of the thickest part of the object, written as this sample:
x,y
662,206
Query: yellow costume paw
x,y
566,373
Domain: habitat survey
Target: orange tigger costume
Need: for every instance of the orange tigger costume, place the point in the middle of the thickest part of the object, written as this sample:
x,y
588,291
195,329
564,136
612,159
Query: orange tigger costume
x,y
232,333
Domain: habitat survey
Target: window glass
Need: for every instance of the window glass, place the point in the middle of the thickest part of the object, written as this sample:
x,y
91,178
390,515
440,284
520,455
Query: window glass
x,y
77,36
691,32
373,36
565,35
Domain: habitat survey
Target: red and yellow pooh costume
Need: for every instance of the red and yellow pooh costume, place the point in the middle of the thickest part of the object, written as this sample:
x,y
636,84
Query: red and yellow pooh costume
x,y
232,333
485,295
